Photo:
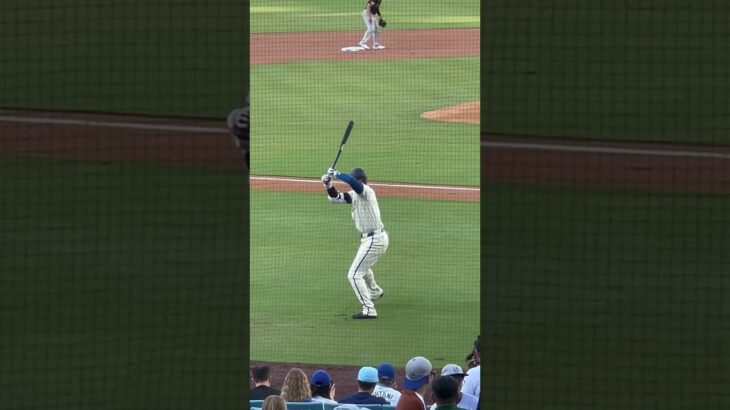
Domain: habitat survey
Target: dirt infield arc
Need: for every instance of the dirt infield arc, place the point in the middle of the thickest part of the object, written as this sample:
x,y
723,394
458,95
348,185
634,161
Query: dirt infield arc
x,y
274,48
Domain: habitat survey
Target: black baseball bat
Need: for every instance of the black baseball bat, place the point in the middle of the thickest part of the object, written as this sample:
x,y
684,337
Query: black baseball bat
x,y
344,140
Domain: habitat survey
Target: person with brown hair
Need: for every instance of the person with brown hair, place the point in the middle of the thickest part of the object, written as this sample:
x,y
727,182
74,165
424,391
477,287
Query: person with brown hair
x,y
323,388
296,386
274,403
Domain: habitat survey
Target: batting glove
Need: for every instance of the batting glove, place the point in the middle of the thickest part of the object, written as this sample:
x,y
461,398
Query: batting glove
x,y
327,180
333,172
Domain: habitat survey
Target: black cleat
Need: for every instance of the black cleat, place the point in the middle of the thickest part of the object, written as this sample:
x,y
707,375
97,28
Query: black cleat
x,y
362,316
379,296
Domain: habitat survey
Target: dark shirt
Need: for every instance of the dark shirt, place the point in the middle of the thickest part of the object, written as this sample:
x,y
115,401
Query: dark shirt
x,y
262,392
362,398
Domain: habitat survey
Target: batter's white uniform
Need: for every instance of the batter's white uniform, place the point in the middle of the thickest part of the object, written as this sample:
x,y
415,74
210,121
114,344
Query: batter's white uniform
x,y
373,244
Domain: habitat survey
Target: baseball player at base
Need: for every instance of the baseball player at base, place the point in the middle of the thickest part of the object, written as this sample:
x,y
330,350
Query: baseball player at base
x,y
373,238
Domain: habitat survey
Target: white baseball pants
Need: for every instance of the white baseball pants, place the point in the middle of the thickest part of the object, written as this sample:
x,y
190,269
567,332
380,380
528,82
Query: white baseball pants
x,y
361,275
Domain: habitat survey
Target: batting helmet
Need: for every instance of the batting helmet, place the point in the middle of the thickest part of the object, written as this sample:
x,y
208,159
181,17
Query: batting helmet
x,y
359,173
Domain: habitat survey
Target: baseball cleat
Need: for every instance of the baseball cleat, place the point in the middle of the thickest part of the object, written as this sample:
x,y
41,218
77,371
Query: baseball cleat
x,y
378,296
379,47
365,46
360,315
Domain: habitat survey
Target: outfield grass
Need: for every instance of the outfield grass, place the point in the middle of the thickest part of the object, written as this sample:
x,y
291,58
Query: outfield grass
x,y
333,15
302,109
597,296
117,283
301,300
160,57
651,71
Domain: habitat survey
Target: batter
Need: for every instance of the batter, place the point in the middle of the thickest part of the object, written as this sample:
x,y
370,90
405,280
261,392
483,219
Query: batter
x,y
373,238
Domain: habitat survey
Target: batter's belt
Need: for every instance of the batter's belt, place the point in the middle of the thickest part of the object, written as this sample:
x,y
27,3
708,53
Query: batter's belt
x,y
373,233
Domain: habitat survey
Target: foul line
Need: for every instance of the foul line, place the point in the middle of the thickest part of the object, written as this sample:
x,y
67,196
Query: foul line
x,y
110,124
409,186
604,150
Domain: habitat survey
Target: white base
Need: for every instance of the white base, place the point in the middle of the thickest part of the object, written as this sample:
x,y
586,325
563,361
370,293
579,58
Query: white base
x,y
352,49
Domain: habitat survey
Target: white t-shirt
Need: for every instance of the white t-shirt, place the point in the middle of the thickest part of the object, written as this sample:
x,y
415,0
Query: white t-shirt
x,y
467,402
388,393
365,210
472,382
320,399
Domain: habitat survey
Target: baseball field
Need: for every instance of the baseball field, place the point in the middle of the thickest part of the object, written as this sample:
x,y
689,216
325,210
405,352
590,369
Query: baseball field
x,y
606,182
123,205
425,172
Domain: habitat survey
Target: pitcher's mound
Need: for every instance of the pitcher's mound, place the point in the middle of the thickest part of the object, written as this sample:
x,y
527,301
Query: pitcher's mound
x,y
467,112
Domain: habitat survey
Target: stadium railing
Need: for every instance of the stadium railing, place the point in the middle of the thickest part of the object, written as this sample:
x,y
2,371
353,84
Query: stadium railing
x,y
258,404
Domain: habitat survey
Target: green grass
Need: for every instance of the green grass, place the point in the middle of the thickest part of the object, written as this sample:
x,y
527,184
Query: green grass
x,y
604,297
332,15
301,111
650,71
121,285
302,247
159,57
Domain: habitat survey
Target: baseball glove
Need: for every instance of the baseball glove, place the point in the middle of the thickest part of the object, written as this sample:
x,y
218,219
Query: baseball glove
x,y
382,22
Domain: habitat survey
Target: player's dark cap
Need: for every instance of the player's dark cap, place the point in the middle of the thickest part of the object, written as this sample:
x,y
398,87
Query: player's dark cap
x,y
359,173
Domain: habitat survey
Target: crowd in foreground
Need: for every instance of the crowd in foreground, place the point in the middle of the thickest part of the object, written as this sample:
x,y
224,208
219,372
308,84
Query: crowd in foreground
x,y
448,389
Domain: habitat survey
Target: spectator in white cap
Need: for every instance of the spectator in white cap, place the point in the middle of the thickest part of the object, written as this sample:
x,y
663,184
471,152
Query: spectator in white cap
x,y
323,389
463,400
419,375
386,387
367,378
472,384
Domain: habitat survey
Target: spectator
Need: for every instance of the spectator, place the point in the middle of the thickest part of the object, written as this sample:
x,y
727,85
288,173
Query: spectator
x,y
296,386
419,375
367,378
323,389
445,391
261,377
386,387
274,403
465,401
472,385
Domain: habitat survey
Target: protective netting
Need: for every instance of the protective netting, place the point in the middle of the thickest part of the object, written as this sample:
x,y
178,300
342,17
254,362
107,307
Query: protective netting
x,y
605,175
414,104
123,205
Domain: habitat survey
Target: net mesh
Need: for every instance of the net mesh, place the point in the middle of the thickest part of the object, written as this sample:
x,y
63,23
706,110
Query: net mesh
x,y
123,205
605,167
415,110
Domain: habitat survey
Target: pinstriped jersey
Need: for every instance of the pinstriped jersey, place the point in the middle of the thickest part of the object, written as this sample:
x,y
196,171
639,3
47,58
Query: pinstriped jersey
x,y
365,210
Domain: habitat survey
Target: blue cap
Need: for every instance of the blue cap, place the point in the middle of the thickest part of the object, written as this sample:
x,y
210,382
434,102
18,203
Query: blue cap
x,y
321,378
386,371
368,375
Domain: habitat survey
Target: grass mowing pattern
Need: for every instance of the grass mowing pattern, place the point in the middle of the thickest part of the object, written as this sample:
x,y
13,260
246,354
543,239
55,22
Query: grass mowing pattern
x,y
298,131
332,15
121,285
301,250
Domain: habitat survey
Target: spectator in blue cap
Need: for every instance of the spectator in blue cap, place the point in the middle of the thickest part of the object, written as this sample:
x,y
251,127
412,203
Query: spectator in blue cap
x,y
323,389
386,387
367,378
